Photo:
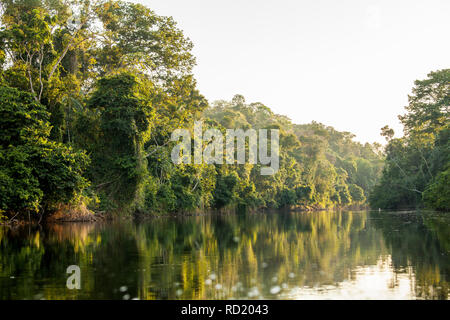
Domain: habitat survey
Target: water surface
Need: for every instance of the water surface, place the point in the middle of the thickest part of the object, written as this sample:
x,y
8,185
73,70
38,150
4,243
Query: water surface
x,y
281,255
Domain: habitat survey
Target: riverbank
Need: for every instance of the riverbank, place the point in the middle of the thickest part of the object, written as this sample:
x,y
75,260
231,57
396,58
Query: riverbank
x,y
71,214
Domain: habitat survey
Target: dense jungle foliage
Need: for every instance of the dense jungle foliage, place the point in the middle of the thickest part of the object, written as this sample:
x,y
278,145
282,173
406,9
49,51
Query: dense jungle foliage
x,y
92,90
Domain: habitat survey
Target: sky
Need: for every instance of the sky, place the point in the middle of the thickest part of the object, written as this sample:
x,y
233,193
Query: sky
x,y
349,64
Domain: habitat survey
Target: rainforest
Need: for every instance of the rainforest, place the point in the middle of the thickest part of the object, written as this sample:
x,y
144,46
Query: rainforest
x,y
90,95
91,92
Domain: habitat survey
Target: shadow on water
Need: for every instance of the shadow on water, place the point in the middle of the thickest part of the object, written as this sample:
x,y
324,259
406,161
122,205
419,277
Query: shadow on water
x,y
337,255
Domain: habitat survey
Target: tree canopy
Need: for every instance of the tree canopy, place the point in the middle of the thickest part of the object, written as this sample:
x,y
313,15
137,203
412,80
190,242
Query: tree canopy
x,y
91,92
416,168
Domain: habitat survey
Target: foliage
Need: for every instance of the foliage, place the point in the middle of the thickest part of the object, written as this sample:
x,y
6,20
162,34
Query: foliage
x,y
317,163
119,164
437,193
357,193
35,172
416,164
224,192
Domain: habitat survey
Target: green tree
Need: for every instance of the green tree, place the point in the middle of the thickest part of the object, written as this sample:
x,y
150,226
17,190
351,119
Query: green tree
x,y
36,173
224,192
428,108
119,164
357,193
417,162
437,193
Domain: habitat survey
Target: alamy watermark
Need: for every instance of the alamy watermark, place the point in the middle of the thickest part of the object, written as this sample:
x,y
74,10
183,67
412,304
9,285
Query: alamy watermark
x,y
74,280
235,143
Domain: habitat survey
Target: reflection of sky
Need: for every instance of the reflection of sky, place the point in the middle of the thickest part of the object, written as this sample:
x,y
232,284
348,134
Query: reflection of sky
x,y
366,282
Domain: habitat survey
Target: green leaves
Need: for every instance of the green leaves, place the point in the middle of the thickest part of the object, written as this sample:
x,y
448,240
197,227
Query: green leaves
x,y
317,163
137,39
35,173
119,164
437,193
416,165
428,108
224,191
21,118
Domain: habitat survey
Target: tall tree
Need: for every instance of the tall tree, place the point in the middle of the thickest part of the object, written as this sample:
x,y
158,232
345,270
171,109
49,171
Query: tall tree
x,y
415,162
119,164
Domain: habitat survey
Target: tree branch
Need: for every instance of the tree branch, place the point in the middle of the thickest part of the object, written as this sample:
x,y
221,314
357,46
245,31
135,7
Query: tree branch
x,y
63,54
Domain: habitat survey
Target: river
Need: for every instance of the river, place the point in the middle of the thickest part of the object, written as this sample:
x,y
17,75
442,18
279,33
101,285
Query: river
x,y
274,255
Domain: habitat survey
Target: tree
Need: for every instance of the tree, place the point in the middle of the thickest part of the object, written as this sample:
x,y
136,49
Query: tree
x,y
223,194
37,35
415,164
437,194
119,164
428,110
135,38
387,133
36,174
357,193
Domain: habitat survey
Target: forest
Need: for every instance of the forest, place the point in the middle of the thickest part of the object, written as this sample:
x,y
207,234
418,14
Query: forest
x,y
92,90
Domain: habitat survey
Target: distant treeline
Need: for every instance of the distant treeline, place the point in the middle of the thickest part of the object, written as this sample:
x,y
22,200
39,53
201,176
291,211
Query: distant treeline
x,y
90,94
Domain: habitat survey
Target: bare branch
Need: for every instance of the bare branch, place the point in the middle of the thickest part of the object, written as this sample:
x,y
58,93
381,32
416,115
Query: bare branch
x,y
41,57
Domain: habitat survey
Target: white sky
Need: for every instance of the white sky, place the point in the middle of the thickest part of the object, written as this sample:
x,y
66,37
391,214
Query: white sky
x,y
346,63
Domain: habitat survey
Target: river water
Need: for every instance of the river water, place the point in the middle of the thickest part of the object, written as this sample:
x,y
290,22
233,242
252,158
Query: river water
x,y
276,255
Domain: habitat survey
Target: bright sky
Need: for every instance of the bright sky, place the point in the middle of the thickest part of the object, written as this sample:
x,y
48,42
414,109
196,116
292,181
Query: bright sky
x,y
349,63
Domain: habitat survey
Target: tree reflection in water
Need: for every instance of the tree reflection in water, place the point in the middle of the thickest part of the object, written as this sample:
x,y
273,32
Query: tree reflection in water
x,y
343,255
